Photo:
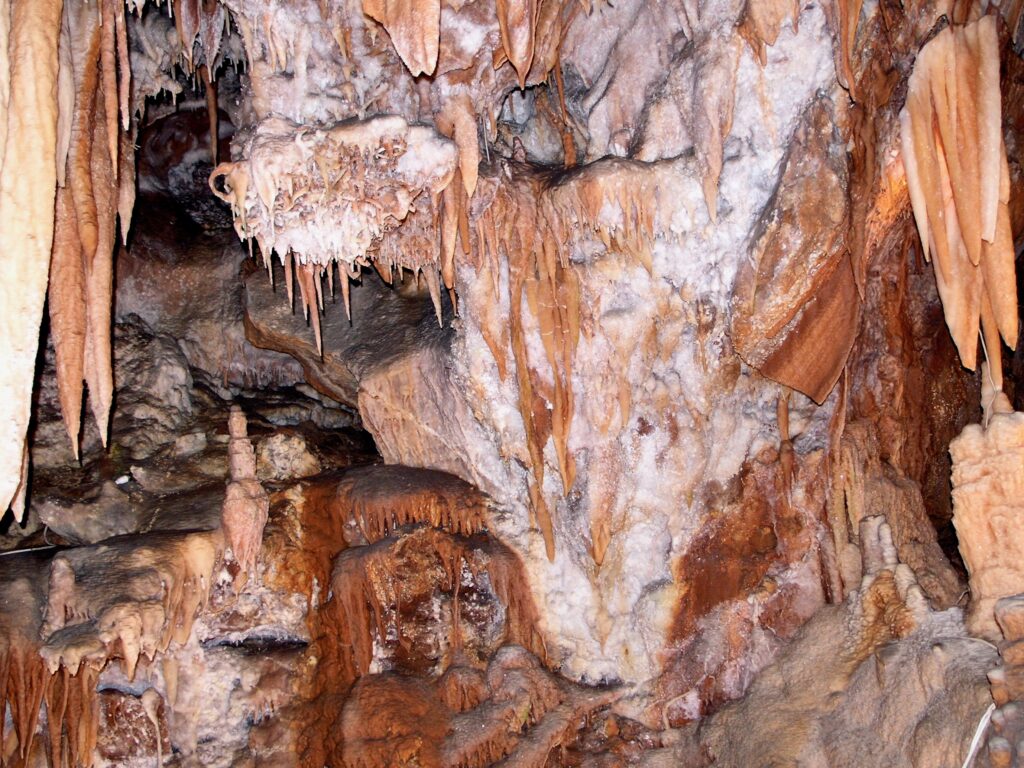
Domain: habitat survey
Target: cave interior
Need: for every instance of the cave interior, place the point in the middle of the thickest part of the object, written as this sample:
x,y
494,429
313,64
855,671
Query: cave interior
x,y
537,383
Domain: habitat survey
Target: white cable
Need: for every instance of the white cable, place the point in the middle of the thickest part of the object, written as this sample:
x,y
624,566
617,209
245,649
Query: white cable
x,y
979,734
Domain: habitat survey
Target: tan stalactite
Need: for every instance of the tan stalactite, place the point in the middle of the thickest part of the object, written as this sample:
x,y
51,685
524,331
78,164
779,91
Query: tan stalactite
x,y
81,290
210,90
363,592
123,68
848,12
958,181
458,122
307,276
85,39
126,179
414,27
5,75
99,279
524,226
65,98
68,313
108,58
517,21
762,22
27,184
186,20
712,111
382,499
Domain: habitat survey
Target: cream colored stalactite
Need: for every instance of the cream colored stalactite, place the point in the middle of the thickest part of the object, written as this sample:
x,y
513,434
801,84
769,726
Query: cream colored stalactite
x,y
27,183
414,27
5,74
81,273
517,21
955,159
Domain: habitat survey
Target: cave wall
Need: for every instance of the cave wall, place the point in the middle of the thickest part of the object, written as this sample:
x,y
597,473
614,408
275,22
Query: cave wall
x,y
663,227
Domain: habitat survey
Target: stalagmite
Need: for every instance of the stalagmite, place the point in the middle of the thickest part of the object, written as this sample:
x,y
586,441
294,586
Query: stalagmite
x,y
246,504
987,483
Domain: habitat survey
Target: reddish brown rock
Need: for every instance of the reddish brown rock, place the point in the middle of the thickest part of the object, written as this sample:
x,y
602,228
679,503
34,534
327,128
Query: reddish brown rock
x,y
126,731
795,305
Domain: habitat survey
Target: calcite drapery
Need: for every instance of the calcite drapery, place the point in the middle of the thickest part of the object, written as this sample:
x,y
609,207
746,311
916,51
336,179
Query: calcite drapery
x,y
795,309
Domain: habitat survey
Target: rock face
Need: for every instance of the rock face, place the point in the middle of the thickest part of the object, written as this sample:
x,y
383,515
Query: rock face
x,y
665,416
180,272
906,685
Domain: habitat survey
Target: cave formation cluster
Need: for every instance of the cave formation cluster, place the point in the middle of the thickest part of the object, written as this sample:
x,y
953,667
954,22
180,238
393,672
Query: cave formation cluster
x,y
667,414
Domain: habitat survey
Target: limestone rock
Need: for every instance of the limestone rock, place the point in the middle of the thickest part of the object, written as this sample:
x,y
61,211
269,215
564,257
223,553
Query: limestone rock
x,y
386,324
285,457
879,680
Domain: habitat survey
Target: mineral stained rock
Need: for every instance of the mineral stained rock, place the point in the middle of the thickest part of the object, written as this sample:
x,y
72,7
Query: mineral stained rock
x,y
906,685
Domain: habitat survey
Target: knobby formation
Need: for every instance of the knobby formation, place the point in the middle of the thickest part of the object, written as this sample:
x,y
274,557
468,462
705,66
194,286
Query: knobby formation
x,y
667,413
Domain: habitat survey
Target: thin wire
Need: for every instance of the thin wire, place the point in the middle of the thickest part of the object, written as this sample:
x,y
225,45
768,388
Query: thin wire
x,y
979,734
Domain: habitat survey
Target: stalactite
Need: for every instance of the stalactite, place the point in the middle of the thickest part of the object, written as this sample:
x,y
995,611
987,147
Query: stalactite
x,y
848,12
356,182
210,91
414,27
762,22
99,277
111,93
517,21
958,181
382,499
515,713
712,111
68,313
27,186
24,682
99,184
